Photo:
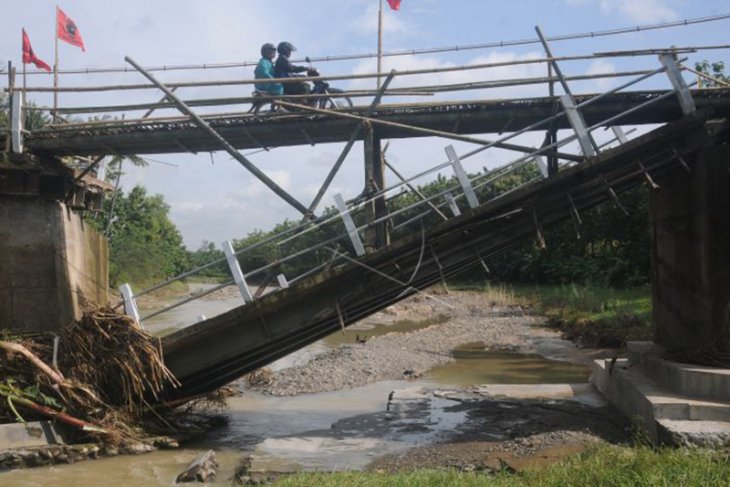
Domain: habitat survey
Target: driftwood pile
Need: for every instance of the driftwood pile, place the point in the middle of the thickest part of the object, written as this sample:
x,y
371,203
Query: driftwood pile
x,y
106,374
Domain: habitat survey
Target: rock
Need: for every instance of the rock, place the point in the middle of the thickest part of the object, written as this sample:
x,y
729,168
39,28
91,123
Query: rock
x,y
202,469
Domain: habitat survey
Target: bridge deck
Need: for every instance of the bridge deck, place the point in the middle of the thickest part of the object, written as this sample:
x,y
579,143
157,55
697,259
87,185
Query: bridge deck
x,y
221,349
271,130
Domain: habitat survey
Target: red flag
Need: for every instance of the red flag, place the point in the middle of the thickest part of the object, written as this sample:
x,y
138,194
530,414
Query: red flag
x,y
30,57
67,30
394,4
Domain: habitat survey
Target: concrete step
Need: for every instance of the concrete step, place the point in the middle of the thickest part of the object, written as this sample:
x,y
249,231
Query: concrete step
x,y
708,434
635,393
685,379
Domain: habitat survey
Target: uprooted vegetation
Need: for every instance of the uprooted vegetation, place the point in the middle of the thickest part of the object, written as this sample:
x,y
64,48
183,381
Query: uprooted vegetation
x,y
105,382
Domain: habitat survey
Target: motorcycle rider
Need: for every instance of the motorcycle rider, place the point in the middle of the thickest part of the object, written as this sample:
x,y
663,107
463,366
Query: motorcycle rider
x,y
265,70
285,69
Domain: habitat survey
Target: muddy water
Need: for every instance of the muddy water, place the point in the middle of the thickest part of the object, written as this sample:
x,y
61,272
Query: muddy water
x,y
475,365
330,431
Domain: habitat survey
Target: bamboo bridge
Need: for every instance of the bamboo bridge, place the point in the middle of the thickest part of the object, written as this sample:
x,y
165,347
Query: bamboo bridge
x,y
369,257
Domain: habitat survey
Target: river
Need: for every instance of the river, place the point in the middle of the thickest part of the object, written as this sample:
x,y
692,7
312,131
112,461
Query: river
x,y
327,431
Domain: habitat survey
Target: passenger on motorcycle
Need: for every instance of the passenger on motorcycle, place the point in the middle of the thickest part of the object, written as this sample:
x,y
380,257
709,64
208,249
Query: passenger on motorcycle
x,y
265,70
285,69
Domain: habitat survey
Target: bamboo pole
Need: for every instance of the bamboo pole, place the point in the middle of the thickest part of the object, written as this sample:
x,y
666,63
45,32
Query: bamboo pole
x,y
223,142
411,91
20,349
55,70
413,72
11,89
380,43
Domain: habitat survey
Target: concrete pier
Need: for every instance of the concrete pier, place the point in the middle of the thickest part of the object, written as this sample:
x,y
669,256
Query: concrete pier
x,y
677,403
690,224
51,264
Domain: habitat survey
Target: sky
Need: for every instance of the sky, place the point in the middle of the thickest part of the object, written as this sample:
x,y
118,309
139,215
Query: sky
x,y
211,196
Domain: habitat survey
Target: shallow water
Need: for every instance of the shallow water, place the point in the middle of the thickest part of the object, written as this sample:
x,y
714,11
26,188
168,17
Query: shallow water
x,y
329,431
475,365
351,334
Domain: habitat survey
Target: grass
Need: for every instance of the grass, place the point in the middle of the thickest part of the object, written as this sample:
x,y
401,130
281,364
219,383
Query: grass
x,y
602,466
593,315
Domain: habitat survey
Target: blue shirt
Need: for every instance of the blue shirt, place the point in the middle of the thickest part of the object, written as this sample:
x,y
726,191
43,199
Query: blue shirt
x,y
265,70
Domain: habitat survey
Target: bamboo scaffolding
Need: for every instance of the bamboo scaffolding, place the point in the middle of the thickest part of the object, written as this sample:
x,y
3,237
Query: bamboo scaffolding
x,y
409,91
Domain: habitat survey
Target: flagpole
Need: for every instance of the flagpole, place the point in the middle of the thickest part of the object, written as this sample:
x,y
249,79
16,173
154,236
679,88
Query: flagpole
x,y
55,73
380,41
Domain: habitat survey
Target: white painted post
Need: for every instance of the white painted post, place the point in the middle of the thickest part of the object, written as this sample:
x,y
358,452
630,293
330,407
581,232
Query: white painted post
x,y
101,170
619,133
471,197
17,122
283,283
130,305
236,271
680,86
349,225
578,124
452,204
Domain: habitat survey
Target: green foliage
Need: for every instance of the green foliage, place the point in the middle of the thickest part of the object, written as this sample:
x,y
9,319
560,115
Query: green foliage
x,y
595,316
4,117
601,466
35,119
265,253
715,70
613,248
145,246
207,253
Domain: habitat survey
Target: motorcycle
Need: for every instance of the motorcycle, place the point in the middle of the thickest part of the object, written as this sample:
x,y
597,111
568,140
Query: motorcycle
x,y
334,97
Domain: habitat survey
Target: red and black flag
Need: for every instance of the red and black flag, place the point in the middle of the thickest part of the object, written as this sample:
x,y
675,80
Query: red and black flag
x,y
67,30
394,4
30,57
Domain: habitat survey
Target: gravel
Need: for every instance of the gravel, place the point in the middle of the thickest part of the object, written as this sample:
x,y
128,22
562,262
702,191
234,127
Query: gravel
x,y
396,356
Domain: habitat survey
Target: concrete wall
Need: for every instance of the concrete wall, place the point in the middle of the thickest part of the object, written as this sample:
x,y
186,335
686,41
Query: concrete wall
x,y
51,264
690,220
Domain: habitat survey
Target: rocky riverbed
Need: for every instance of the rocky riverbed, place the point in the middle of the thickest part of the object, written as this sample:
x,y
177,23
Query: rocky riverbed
x,y
468,317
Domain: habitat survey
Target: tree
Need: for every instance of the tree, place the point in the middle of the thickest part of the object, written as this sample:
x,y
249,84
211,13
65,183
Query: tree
x,y
207,253
714,70
4,119
145,246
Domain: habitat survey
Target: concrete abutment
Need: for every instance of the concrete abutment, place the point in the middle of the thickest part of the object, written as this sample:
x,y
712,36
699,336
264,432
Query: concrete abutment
x,y
678,403
52,264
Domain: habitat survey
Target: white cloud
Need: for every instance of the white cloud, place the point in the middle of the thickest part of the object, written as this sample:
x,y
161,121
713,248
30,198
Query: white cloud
x,y
635,10
499,73
367,22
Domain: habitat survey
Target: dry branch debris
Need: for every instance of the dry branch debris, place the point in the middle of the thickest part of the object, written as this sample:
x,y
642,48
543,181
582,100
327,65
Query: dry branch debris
x,y
109,372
